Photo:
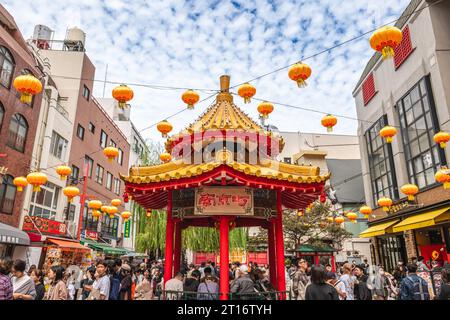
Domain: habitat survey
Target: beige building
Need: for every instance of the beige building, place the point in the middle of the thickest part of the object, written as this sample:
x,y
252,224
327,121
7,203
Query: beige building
x,y
411,93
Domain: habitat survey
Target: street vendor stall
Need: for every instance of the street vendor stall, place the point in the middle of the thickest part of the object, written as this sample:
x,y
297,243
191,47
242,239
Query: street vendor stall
x,y
103,250
66,253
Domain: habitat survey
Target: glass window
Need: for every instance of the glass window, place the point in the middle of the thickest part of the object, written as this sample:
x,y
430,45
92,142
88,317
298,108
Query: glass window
x,y
6,67
80,132
7,195
2,114
109,226
17,135
99,174
112,143
380,163
421,154
86,92
75,172
103,139
45,202
120,157
109,180
88,160
58,146
91,127
116,186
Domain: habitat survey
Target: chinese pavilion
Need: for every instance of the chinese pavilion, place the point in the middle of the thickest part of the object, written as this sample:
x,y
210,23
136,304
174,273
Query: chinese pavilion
x,y
224,174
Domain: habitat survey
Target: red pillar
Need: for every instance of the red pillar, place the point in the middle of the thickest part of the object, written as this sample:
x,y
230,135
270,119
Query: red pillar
x,y
316,259
281,279
333,263
169,241
272,254
177,248
224,257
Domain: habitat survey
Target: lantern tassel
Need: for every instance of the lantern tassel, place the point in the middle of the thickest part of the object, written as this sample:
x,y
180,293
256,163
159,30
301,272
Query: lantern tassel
x,y
442,144
410,198
190,106
19,189
385,209
389,139
387,52
122,105
301,83
330,129
26,98
446,185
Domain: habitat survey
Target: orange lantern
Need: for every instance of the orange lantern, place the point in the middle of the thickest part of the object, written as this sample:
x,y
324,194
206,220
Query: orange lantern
x,y
339,220
104,209
246,91
190,97
37,179
410,190
443,176
352,217
265,108
329,121
385,203
111,210
63,171
126,215
366,211
300,72
28,86
116,202
95,205
385,39
122,94
165,157
442,138
71,192
20,183
164,127
388,133
96,214
149,213
111,153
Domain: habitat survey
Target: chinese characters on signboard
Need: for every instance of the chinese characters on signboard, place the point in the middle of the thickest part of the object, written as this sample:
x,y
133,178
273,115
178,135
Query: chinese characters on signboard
x,y
224,201
45,226
126,231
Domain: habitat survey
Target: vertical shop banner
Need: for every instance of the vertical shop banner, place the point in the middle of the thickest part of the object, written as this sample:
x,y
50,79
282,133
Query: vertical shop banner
x,y
126,231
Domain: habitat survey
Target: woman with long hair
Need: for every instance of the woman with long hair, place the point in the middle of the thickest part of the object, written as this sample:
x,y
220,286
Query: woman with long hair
x,y
38,279
57,289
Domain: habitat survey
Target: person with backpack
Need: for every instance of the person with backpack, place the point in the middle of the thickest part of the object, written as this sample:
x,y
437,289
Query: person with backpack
x,y
412,286
333,280
300,280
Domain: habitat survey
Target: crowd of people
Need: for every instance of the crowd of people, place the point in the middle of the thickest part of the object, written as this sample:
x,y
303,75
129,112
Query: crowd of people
x,y
118,279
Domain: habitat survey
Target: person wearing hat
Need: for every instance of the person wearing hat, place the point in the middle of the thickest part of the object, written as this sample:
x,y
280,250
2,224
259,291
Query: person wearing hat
x,y
362,291
125,284
243,287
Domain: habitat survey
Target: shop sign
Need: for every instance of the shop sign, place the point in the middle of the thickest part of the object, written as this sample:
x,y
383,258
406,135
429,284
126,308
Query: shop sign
x,y
92,235
224,201
126,232
45,226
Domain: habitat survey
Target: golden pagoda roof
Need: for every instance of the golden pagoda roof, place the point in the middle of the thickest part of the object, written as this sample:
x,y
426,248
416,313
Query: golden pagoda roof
x,y
270,169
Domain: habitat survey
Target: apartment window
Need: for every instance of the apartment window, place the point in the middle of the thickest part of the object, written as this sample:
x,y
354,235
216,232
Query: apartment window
x,y
2,114
287,160
80,132
45,203
418,121
109,180
103,139
120,157
110,226
17,135
90,162
88,220
116,186
91,127
404,49
70,214
368,89
382,170
99,174
75,172
6,67
58,146
136,145
86,92
7,195
112,143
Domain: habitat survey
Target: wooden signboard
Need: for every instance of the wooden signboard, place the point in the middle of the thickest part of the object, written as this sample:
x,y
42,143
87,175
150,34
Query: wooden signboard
x,y
210,201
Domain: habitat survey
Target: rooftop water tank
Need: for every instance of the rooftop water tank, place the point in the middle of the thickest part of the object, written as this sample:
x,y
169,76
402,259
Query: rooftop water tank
x,y
75,39
42,32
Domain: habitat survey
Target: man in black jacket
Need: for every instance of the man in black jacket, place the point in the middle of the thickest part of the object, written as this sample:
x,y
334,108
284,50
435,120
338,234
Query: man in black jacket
x,y
362,292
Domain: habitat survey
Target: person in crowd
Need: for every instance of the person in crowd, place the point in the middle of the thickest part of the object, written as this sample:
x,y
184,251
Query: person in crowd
x,y
144,289
243,287
214,270
319,289
445,285
88,280
399,272
413,287
208,289
6,287
23,285
115,277
57,289
421,265
70,284
191,268
174,287
332,279
361,290
300,280
328,268
157,279
208,273
101,285
349,281
191,284
366,266
125,291
263,285
30,270
37,276
202,268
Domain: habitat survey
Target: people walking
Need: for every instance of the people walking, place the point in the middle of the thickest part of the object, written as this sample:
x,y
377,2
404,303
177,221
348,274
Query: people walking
x,y
413,287
208,289
23,285
191,284
361,289
125,292
144,289
101,285
243,287
88,280
445,286
37,276
6,287
57,289
332,279
318,289
300,280
174,287
349,281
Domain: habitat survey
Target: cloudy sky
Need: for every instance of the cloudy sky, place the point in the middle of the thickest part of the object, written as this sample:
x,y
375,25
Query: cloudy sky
x,y
191,43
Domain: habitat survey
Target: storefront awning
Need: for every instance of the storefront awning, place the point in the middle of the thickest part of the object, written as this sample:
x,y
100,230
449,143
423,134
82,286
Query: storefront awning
x,y
423,220
67,244
107,249
11,235
378,230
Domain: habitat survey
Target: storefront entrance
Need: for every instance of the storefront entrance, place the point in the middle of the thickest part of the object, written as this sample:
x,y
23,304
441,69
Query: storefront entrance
x,y
392,250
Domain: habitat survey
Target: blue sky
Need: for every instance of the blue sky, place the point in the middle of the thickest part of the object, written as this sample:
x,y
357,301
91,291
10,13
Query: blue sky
x,y
191,43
